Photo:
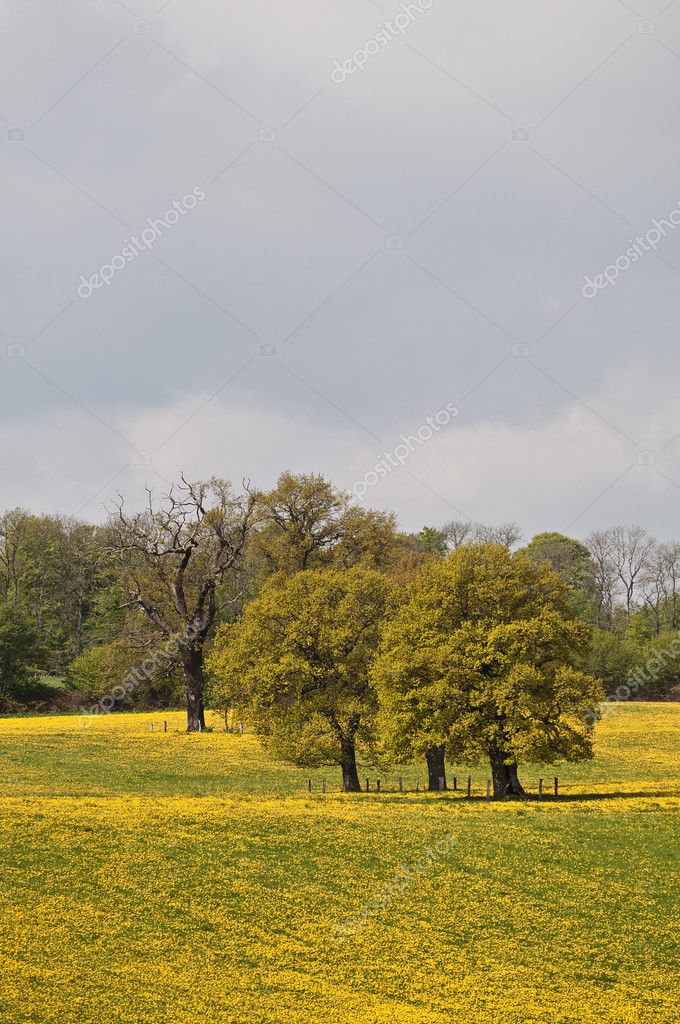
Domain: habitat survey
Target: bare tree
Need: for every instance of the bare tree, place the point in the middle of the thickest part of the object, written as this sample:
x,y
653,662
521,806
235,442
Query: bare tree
x,y
669,553
631,551
507,534
602,581
461,531
660,582
457,532
653,586
173,558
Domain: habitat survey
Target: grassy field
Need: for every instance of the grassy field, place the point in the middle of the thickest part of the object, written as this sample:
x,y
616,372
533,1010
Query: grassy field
x,y
159,877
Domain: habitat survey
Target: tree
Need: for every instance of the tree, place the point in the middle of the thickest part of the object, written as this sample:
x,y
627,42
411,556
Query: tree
x,y
306,522
571,560
481,658
435,758
631,551
173,558
18,654
55,567
603,577
622,556
612,658
299,662
669,554
431,541
299,521
464,531
660,583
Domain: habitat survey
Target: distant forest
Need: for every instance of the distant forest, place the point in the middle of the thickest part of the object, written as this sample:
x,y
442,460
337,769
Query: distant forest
x,y
73,622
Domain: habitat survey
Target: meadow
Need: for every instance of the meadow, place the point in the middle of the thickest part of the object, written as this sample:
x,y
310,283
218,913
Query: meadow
x,y
163,877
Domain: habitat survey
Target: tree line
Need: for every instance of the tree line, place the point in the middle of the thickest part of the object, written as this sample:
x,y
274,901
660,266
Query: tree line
x,y
336,634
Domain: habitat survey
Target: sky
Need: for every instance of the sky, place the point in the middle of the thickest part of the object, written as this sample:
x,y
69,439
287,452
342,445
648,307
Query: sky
x,y
423,248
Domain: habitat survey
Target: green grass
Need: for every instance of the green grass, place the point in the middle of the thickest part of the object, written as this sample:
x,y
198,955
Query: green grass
x,y
153,877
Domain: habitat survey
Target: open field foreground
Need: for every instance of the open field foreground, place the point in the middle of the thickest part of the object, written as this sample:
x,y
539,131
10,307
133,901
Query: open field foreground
x,y
164,877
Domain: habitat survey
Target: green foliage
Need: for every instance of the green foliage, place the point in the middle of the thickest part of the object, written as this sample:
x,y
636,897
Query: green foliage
x,y
96,670
299,661
56,567
571,560
305,522
19,654
481,657
431,541
100,670
612,658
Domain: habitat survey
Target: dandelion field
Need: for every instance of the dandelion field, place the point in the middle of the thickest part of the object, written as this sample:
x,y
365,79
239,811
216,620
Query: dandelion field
x,y
164,877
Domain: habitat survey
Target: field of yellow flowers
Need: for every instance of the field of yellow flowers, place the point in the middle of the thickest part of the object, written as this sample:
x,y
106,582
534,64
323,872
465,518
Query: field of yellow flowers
x,y
165,878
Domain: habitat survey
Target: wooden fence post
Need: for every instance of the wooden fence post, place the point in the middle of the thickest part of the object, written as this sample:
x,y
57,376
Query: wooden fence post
x,y
368,785
488,790
377,785
165,726
150,726
401,783
469,788
455,783
556,786
540,787
309,785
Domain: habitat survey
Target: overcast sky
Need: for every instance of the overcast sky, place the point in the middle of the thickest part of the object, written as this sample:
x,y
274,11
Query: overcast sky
x,y
374,244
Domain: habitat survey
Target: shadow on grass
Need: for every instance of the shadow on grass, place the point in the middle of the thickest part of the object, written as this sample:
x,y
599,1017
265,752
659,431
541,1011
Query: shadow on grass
x,y
477,798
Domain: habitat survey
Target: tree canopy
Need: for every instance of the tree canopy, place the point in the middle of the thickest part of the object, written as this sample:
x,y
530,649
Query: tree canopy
x,y
299,663
481,657
173,557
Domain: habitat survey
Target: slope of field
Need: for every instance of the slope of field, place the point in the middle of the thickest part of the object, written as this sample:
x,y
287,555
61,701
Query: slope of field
x,y
159,877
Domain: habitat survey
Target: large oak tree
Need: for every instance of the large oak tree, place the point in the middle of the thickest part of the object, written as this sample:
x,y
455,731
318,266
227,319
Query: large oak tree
x,y
481,658
298,664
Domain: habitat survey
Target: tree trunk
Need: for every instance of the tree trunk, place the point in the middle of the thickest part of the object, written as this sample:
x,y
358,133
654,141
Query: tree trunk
x,y
436,768
193,677
348,763
504,776
516,787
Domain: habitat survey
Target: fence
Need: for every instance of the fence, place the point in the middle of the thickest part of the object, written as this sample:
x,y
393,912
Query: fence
x,y
469,788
